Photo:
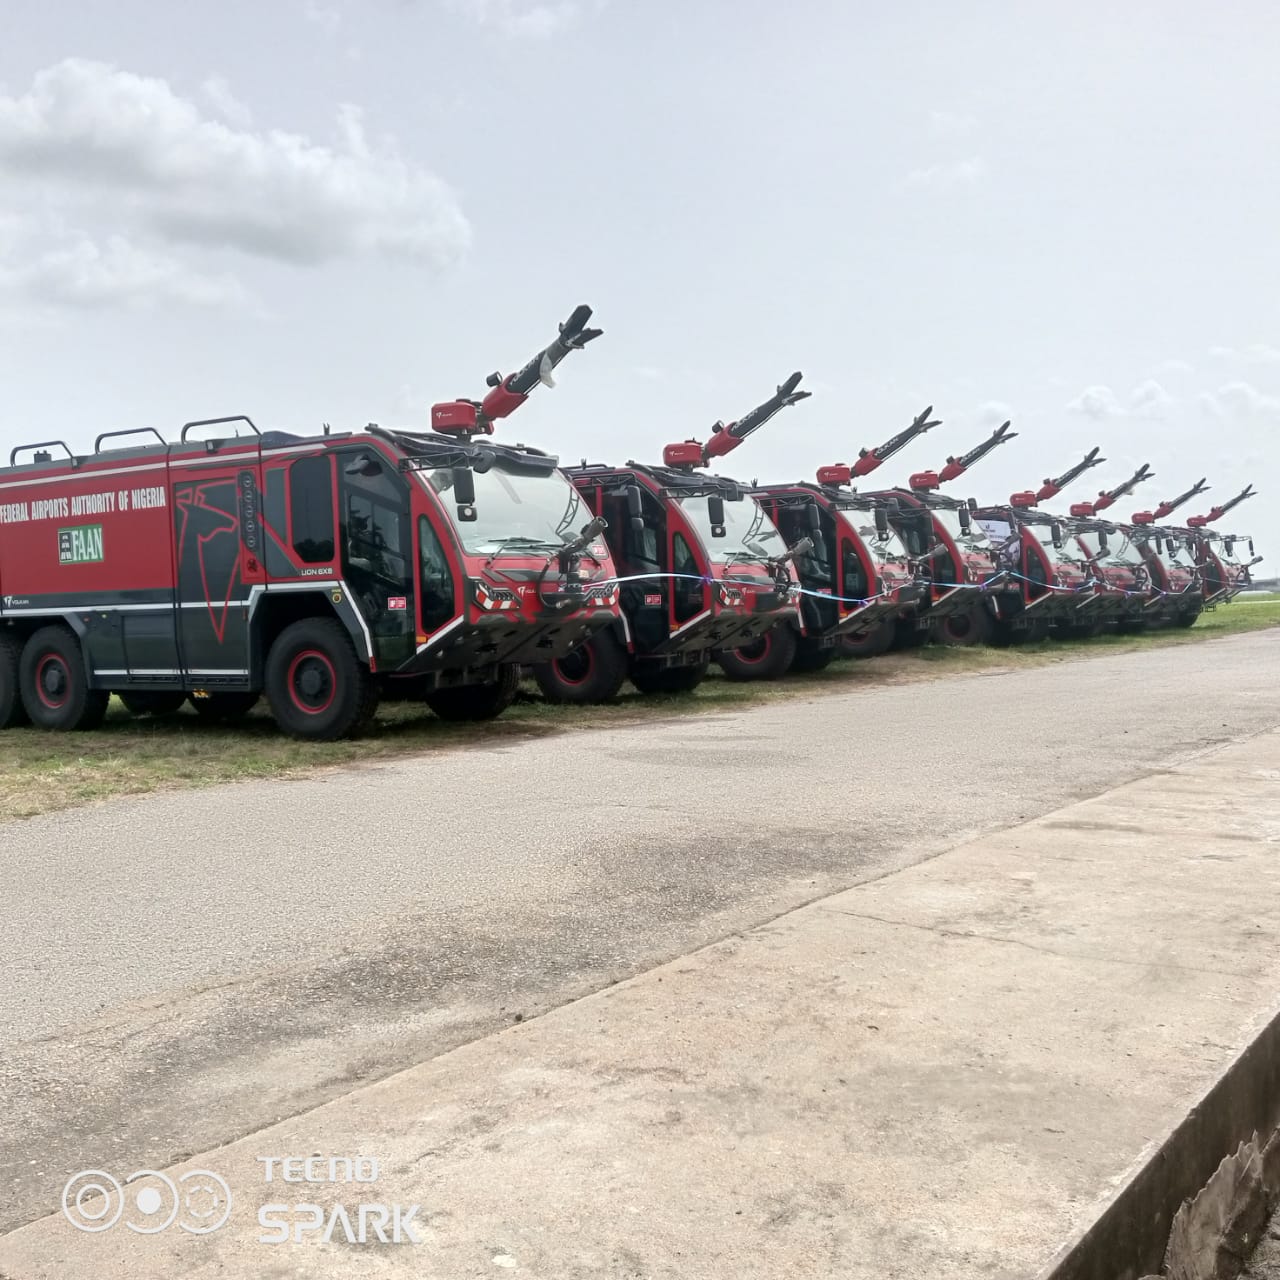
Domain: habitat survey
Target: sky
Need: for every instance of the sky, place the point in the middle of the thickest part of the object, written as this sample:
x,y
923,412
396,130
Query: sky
x,y
309,211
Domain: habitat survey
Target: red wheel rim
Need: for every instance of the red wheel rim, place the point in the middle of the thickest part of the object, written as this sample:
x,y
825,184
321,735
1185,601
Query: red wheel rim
x,y
53,681
756,651
576,668
313,683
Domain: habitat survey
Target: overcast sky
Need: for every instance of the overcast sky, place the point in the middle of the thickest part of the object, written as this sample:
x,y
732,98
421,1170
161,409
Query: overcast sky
x,y
323,210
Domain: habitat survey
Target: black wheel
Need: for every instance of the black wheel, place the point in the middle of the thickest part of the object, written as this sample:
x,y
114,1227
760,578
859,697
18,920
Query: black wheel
x,y
875,642
908,634
971,627
12,712
650,679
54,684
1185,619
317,687
142,702
811,657
224,708
1130,626
477,701
765,659
593,672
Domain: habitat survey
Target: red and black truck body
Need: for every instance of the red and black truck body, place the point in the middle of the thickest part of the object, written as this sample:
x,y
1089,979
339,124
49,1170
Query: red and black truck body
x,y
857,574
1225,560
1046,560
320,570
701,567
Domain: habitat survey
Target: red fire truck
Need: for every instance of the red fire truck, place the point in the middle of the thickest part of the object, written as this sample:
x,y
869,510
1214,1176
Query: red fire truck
x,y
321,571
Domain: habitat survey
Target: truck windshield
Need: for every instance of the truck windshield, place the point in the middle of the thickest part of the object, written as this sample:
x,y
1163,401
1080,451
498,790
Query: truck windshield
x,y
1120,548
748,532
887,551
1070,554
974,540
515,513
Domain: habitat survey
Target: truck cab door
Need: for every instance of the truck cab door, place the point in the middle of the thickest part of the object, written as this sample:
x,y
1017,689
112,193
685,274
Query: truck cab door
x,y
376,540
217,531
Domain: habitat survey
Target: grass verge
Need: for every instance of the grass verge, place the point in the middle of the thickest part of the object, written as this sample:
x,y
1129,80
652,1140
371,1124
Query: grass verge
x,y
42,772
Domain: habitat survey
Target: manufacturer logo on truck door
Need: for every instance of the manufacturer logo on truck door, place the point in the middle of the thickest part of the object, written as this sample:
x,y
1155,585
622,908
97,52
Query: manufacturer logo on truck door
x,y
82,545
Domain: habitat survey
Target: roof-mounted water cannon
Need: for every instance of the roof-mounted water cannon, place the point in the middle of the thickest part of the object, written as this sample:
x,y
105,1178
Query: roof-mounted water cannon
x,y
1024,499
1051,488
1082,510
837,474
471,418
958,466
1218,512
1108,496
1144,517
687,454
870,459
923,481
1169,506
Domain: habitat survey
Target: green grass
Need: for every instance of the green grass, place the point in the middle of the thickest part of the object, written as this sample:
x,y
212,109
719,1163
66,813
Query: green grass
x,y
41,772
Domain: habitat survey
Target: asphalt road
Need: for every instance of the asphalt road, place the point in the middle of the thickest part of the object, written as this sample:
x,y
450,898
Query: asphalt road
x,y
183,969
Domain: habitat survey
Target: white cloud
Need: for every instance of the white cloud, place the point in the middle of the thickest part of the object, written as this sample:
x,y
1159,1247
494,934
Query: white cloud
x,y
950,173
1255,353
993,413
951,124
516,18
1175,367
1150,400
1098,403
1147,400
84,275
217,93
1240,400
130,146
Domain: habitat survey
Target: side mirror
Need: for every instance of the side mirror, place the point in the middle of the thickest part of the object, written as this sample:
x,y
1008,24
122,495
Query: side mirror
x,y
637,527
364,465
715,513
1251,546
1159,545
813,518
635,502
966,519
973,504
1102,542
1229,545
1056,530
464,493
882,522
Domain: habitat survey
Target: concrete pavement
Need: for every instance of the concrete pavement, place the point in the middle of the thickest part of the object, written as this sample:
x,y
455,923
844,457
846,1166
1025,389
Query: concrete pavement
x,y
195,967
941,1072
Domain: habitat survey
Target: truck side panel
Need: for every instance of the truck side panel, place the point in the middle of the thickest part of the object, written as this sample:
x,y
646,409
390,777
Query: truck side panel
x,y
91,546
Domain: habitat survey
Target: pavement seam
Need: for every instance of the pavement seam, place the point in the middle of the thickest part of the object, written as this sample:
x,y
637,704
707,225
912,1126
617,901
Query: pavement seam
x,y
1018,942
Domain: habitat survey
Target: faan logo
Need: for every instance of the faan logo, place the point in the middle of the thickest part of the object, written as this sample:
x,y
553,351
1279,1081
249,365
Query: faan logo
x,y
81,545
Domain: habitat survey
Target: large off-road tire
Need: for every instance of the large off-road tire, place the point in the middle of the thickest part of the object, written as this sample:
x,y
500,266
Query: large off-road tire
x,y
12,712
477,701
1186,618
768,658
55,685
1131,626
871,645
146,702
908,634
652,679
316,684
811,656
1004,633
973,626
224,707
593,672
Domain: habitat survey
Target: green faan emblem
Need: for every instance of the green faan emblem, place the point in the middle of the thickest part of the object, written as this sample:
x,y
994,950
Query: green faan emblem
x,y
82,545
